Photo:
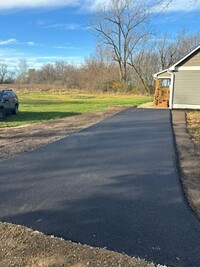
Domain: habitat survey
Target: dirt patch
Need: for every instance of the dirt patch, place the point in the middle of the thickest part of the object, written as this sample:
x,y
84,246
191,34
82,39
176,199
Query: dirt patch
x,y
20,246
189,159
146,105
150,105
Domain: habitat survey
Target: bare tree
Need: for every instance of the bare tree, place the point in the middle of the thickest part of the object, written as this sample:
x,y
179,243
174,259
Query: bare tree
x,y
65,73
121,25
32,76
47,74
170,49
162,54
59,73
3,72
98,74
22,71
144,63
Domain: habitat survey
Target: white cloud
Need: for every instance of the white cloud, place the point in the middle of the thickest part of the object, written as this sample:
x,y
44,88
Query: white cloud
x,y
30,43
89,5
7,42
183,5
68,26
92,5
170,5
66,47
16,42
65,26
11,4
11,57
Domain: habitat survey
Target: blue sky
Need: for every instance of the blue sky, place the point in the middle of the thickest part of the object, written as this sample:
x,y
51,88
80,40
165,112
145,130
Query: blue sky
x,y
45,31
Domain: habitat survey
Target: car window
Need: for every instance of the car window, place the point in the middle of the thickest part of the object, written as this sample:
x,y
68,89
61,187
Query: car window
x,y
7,93
4,93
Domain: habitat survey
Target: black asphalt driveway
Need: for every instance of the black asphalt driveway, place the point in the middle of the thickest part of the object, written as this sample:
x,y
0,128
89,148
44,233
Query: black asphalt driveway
x,y
112,185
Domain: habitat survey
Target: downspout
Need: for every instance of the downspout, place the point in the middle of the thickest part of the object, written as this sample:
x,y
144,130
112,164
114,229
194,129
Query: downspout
x,y
171,96
155,77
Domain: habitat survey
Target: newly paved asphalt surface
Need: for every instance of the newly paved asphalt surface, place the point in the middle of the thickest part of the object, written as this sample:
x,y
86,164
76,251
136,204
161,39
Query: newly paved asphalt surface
x,y
112,185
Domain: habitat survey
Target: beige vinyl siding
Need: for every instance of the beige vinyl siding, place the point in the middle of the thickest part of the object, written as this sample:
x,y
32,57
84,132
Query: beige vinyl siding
x,y
187,88
192,61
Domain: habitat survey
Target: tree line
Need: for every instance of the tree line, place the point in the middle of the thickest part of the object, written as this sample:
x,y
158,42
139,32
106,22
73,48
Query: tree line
x,y
100,72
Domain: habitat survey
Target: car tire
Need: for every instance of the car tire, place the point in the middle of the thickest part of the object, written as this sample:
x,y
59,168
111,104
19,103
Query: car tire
x,y
2,114
15,110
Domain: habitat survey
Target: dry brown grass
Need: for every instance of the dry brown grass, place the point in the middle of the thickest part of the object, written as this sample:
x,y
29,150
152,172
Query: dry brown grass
x,y
63,89
193,121
39,88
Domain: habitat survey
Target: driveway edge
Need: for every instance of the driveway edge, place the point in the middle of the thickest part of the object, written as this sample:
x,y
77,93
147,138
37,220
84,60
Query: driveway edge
x,y
187,161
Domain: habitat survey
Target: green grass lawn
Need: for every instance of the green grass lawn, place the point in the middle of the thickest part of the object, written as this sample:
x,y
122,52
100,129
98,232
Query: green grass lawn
x,y
41,106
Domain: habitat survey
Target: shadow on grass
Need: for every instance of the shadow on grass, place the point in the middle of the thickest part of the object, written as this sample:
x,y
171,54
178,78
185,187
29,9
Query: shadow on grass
x,y
28,117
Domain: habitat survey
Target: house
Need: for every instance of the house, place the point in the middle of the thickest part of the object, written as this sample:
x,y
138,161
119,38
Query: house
x,y
178,87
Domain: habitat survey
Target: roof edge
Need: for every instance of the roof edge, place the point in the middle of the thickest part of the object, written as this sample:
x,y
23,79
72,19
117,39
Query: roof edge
x,y
185,57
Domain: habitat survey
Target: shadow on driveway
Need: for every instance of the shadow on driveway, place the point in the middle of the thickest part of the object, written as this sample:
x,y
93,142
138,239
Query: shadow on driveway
x,y
112,185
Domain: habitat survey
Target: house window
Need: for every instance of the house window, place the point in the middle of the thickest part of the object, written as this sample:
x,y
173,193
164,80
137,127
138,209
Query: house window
x,y
165,83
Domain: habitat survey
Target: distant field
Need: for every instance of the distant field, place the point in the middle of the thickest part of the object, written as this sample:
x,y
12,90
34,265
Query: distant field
x,y
41,106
